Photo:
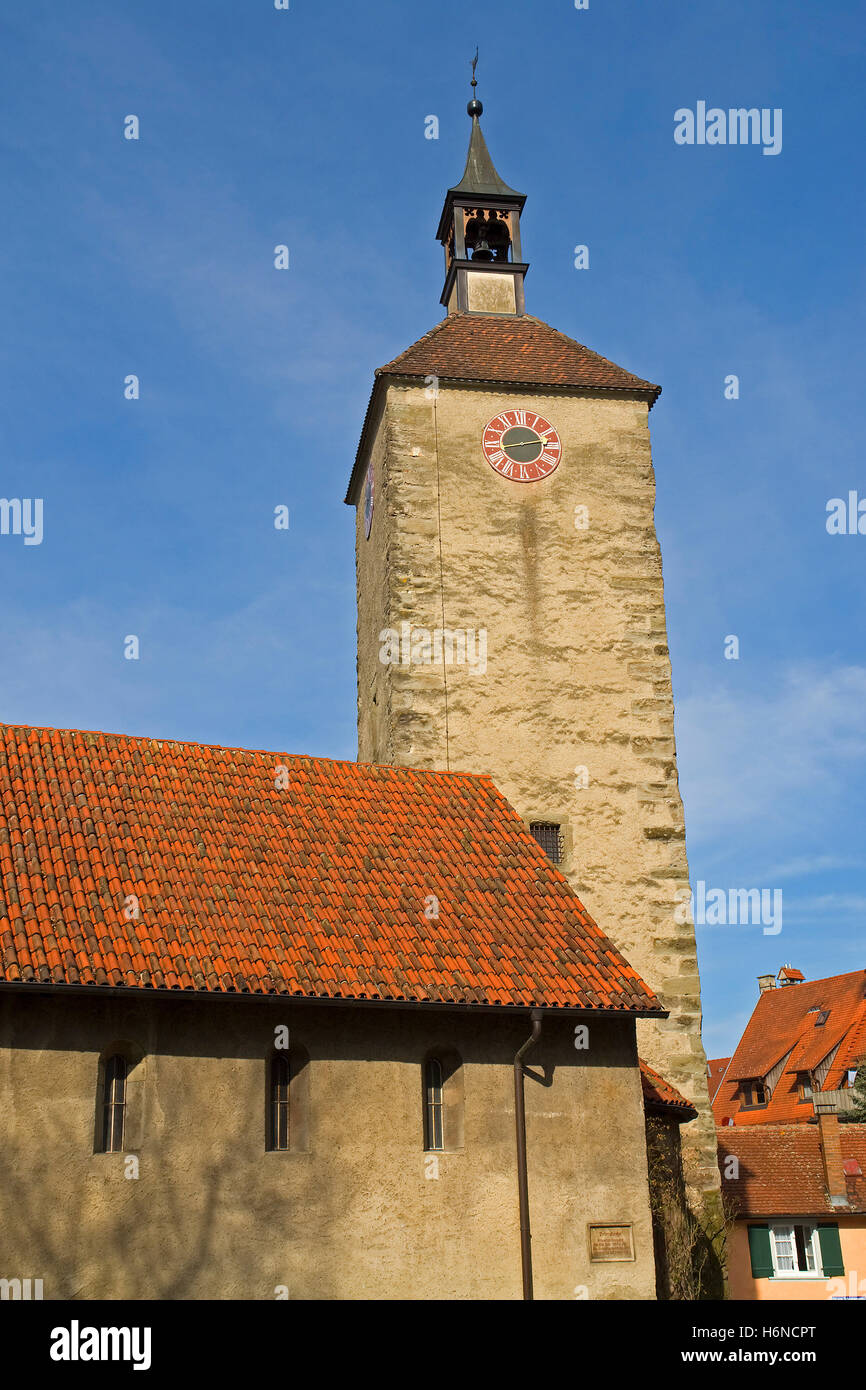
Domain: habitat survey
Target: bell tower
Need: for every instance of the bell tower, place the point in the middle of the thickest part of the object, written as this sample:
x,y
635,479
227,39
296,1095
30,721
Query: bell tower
x,y
511,613
480,232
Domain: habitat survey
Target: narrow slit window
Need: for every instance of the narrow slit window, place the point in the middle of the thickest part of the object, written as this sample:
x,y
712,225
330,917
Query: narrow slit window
x,y
434,1117
549,836
278,1103
114,1104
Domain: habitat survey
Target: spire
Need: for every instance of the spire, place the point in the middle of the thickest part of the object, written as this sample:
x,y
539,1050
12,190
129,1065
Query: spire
x,y
480,232
480,175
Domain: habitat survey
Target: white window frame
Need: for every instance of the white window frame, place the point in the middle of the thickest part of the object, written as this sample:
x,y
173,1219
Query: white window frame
x,y
813,1244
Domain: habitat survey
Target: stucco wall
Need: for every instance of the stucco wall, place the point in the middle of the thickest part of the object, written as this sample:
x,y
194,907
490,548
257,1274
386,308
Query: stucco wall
x,y
212,1215
852,1238
578,672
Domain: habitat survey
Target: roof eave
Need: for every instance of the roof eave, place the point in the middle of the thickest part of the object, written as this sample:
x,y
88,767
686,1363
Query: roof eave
x,y
338,1001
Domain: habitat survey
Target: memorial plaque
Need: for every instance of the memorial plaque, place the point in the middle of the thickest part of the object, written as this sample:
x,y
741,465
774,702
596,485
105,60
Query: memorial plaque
x,y
610,1243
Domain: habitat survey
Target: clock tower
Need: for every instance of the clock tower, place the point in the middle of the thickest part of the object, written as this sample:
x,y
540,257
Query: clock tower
x,y
511,616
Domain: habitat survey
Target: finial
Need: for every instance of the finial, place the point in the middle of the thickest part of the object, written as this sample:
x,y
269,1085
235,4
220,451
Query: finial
x,y
474,107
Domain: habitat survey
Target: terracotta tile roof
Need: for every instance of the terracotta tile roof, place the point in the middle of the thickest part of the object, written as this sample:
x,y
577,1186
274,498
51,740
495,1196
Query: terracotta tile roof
x,y
520,350
784,1028
481,347
715,1071
658,1092
788,972
318,890
781,1172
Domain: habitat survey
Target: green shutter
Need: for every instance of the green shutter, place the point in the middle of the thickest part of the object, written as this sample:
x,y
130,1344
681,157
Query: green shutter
x,y
831,1249
759,1250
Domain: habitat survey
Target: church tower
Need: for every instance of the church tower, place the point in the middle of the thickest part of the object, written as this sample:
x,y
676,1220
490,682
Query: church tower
x,y
511,616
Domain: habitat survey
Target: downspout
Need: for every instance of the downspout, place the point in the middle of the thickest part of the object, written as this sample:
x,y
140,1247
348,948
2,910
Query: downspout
x,y
520,1125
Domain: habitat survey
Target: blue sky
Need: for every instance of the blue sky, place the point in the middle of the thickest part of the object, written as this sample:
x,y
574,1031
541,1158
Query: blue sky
x,y
306,127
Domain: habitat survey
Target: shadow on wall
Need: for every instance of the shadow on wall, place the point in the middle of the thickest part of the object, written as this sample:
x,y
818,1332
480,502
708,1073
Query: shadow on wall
x,y
85,1224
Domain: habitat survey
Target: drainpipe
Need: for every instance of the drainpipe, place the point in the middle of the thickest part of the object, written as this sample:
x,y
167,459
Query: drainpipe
x,y
520,1125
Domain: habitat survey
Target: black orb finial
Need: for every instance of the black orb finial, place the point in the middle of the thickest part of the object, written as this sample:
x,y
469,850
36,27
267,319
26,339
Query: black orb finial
x,y
474,107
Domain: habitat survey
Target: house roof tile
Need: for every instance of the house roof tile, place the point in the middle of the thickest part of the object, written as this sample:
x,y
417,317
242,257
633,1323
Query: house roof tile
x,y
658,1092
153,864
784,1029
780,1170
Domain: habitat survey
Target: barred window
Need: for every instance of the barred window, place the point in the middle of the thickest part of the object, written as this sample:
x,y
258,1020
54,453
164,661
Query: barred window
x,y
113,1104
549,836
279,1105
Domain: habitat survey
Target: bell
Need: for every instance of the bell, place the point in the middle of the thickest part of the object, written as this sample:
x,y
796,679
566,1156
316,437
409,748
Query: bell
x,y
482,252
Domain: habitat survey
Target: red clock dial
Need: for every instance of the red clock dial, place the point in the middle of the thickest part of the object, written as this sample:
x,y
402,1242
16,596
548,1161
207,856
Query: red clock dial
x,y
521,445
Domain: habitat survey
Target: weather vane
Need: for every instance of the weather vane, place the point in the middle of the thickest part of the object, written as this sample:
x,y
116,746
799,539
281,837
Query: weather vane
x,y
474,66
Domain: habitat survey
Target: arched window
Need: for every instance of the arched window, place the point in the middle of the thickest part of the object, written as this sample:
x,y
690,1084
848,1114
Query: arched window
x,y
279,1108
118,1116
287,1100
114,1103
434,1117
442,1077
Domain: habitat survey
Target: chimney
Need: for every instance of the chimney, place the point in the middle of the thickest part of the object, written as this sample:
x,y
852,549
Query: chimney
x,y
831,1151
766,982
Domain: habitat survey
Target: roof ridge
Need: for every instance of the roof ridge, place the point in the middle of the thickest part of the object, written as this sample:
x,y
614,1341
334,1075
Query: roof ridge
x,y
254,752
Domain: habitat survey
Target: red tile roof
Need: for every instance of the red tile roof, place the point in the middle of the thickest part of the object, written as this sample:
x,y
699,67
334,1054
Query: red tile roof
x,y
715,1071
516,351
781,1171
784,1029
481,347
788,972
658,1092
318,890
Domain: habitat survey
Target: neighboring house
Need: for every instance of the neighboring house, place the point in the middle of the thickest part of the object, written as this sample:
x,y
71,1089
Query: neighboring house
x,y
797,1194
802,1044
259,1018
716,1069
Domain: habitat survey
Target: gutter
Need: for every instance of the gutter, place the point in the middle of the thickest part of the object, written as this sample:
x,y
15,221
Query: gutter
x,y
520,1127
284,997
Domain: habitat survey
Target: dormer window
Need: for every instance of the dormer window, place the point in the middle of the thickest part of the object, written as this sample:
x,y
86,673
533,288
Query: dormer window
x,y
753,1093
805,1084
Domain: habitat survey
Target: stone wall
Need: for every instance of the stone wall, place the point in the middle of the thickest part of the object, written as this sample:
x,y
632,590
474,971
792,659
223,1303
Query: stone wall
x,y
577,672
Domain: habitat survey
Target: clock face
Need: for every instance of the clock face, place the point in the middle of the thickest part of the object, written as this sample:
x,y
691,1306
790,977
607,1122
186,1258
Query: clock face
x,y
368,500
521,445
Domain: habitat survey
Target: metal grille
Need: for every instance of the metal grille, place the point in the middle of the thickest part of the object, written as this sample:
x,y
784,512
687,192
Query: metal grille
x,y
549,836
113,1104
